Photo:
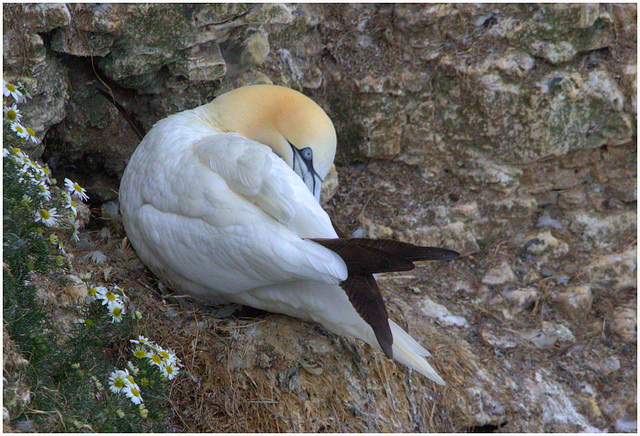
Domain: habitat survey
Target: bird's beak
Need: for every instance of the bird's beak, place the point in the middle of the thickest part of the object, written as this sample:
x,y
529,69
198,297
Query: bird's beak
x,y
303,166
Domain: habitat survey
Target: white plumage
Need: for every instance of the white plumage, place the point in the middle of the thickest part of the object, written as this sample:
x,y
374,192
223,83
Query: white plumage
x,y
216,213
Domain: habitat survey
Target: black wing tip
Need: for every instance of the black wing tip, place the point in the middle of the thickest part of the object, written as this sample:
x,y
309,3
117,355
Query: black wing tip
x,y
387,347
448,254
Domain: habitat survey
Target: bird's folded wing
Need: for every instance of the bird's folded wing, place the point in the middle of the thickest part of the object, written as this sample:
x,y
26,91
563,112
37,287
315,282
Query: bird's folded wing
x,y
254,171
234,259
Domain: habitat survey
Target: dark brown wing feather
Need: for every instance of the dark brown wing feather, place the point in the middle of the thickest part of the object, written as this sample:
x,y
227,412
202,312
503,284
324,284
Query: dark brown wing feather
x,y
364,295
372,256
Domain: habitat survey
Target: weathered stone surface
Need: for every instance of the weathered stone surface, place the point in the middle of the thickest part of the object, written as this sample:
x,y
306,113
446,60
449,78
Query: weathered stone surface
x,y
203,62
441,314
499,275
606,230
545,243
46,17
26,60
522,299
575,302
624,323
504,131
617,271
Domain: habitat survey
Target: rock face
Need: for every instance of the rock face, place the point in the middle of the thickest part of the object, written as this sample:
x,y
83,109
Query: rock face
x,y
506,132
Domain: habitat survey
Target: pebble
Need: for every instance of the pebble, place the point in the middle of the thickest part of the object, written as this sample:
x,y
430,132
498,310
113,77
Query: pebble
x,y
548,335
624,323
441,314
545,242
605,366
499,275
575,301
522,299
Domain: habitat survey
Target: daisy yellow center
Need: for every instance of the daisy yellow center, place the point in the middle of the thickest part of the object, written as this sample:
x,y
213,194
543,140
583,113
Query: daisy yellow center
x,y
73,203
169,369
110,296
164,354
16,151
19,129
135,392
156,359
139,354
30,131
117,312
11,114
45,214
118,383
77,187
131,380
92,292
41,187
11,88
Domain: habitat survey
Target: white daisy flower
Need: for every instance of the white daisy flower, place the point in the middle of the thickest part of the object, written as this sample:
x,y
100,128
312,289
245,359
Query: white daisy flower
x,y
48,217
140,352
75,227
155,359
31,134
107,297
10,90
69,203
26,163
17,152
118,380
116,310
168,357
141,340
76,189
169,370
5,153
44,191
134,394
92,294
95,293
20,130
12,114
129,381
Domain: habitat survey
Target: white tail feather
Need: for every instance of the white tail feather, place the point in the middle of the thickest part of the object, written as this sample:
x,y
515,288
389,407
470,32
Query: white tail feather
x,y
409,352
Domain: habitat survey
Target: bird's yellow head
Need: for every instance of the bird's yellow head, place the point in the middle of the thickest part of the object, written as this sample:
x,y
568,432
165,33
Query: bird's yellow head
x,y
289,122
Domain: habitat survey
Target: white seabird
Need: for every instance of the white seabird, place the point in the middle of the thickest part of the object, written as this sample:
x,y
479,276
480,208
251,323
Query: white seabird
x,y
221,202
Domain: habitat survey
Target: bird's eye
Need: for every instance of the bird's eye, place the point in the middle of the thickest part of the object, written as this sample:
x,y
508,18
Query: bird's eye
x,y
306,153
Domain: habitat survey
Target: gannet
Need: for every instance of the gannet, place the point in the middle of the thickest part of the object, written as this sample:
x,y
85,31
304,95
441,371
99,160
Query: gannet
x,y
221,202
